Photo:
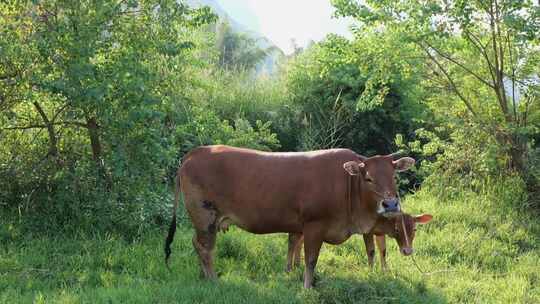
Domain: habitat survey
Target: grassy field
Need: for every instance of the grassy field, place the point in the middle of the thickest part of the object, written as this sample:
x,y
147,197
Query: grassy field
x,y
478,249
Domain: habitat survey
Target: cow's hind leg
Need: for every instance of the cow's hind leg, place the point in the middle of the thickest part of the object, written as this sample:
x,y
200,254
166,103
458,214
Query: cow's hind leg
x,y
204,216
293,253
204,242
298,251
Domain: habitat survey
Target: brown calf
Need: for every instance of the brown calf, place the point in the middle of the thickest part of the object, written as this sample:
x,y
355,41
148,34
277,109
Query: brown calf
x,y
401,227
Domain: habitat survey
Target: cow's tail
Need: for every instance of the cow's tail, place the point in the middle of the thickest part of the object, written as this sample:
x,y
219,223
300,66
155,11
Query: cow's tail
x,y
172,228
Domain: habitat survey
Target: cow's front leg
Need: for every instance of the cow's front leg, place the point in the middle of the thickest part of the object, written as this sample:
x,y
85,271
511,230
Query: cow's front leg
x,y
312,246
381,245
370,248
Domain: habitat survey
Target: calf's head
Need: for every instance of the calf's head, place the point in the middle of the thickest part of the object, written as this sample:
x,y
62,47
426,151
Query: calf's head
x,y
402,227
377,182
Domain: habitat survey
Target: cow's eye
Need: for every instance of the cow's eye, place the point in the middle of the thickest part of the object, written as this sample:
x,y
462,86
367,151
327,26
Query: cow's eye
x,y
369,179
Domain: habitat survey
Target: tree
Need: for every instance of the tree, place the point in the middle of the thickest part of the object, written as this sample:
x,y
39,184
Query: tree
x,y
80,65
90,92
484,53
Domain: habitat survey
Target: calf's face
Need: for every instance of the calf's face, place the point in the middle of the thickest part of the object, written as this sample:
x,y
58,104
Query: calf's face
x,y
404,228
376,178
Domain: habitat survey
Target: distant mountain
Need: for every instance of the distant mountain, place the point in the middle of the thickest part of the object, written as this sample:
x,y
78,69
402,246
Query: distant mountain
x,y
269,64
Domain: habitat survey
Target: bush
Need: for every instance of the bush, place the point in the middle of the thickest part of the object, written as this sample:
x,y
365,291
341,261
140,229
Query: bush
x,y
206,128
342,104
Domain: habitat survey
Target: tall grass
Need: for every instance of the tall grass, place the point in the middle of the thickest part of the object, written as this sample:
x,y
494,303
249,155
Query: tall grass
x,y
241,95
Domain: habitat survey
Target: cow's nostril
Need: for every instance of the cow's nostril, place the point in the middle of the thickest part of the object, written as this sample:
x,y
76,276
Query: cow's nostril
x,y
385,204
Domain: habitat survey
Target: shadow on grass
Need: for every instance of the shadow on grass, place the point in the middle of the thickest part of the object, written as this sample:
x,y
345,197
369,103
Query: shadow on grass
x,y
376,289
238,289
276,286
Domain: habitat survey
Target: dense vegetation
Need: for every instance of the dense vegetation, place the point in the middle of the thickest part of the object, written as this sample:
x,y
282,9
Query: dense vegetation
x,y
100,99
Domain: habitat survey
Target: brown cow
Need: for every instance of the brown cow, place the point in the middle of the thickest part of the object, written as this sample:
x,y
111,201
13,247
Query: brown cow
x,y
297,192
401,227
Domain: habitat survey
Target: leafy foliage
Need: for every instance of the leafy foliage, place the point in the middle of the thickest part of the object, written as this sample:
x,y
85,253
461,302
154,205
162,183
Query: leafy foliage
x,y
345,100
91,109
480,58
205,128
103,96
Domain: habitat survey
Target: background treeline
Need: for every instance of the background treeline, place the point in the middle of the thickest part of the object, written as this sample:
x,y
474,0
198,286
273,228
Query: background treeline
x,y
100,99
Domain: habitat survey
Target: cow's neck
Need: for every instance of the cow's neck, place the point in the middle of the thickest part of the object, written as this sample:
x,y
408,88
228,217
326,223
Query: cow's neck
x,y
383,226
363,212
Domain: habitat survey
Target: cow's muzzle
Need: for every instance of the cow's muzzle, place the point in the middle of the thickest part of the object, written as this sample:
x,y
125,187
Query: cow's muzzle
x,y
390,206
406,251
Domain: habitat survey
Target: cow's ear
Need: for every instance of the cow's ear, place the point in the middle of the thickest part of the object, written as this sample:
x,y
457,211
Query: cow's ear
x,y
423,218
403,164
353,167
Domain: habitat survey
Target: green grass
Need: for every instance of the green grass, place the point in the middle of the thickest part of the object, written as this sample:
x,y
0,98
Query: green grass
x,y
478,249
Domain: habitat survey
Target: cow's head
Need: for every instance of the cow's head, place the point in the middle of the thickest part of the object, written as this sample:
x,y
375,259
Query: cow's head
x,y
403,227
376,176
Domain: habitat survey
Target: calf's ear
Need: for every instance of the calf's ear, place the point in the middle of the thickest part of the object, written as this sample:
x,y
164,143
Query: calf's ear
x,y
353,167
403,164
423,218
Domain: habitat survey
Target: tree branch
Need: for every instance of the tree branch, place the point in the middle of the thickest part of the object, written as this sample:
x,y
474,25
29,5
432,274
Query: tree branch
x,y
461,65
504,99
7,76
497,83
60,111
38,126
25,127
482,48
450,80
513,67
53,140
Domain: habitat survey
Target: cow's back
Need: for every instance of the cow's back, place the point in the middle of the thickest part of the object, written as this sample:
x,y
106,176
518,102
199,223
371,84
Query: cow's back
x,y
265,192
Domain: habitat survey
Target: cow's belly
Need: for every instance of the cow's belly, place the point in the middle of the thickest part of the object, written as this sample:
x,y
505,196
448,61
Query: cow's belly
x,y
270,227
264,220
336,234
266,225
